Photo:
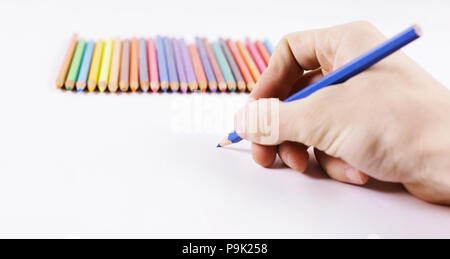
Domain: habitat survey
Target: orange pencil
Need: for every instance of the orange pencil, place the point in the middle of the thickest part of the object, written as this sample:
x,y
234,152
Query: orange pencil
x,y
66,63
249,61
263,51
198,67
241,64
134,65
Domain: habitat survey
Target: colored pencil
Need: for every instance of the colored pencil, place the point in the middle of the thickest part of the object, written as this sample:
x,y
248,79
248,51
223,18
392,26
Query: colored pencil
x,y
152,65
212,82
115,66
215,66
125,66
180,66
75,65
134,64
263,51
189,68
234,67
95,66
268,46
61,79
143,65
255,55
224,67
347,71
85,65
106,65
249,61
198,67
162,64
241,64
171,66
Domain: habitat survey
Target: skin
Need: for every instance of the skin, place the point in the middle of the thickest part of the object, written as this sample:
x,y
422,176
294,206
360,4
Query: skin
x,y
390,122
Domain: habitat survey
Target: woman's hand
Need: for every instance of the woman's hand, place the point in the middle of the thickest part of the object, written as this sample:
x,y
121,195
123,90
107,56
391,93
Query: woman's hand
x,y
391,122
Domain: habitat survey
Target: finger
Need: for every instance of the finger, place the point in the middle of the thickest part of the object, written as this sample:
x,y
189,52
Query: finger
x,y
339,170
295,53
314,121
294,155
307,79
264,155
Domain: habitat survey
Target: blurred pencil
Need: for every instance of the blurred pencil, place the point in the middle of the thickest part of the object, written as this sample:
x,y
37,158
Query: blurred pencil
x,y
234,67
106,65
189,68
215,66
115,66
125,66
95,66
263,51
171,66
162,64
152,65
241,64
255,55
268,46
212,82
134,64
75,65
143,66
61,79
249,61
180,66
85,65
224,67
198,67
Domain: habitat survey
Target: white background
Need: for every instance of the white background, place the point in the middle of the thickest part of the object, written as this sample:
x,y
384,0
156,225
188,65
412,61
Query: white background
x,y
143,165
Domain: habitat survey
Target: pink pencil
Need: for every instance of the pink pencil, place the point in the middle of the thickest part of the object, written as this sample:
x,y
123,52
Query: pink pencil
x,y
152,65
255,55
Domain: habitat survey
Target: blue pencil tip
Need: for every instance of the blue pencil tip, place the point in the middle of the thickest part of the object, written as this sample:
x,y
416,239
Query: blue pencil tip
x,y
165,90
218,145
79,90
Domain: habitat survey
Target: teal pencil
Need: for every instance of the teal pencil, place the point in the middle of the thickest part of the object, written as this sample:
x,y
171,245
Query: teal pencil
x,y
224,66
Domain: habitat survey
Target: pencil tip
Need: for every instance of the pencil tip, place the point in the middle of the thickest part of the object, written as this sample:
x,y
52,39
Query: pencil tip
x,y
218,145
165,90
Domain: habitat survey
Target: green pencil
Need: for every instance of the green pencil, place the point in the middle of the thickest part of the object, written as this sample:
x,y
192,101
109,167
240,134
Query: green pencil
x,y
224,66
75,65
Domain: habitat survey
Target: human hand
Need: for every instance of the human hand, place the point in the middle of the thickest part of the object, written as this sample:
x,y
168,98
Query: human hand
x,y
391,122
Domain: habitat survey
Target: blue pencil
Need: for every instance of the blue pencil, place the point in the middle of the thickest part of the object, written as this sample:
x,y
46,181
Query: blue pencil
x,y
268,46
162,64
212,82
85,66
171,67
347,71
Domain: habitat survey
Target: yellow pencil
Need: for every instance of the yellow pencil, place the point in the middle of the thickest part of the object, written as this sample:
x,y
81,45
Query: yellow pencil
x,y
106,65
115,66
95,66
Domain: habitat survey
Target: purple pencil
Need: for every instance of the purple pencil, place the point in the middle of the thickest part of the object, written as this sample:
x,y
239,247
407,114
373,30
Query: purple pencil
x,y
212,82
189,67
180,66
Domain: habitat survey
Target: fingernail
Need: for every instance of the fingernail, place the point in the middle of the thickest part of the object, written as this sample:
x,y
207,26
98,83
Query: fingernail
x,y
353,175
287,159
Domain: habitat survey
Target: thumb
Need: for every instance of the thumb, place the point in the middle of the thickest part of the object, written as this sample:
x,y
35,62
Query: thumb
x,y
313,121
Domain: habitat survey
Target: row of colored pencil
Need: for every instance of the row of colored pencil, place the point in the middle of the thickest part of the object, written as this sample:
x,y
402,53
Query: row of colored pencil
x,y
163,64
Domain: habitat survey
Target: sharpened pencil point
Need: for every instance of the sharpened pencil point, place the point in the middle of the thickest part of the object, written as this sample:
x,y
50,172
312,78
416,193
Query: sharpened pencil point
x,y
79,90
165,89
218,145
